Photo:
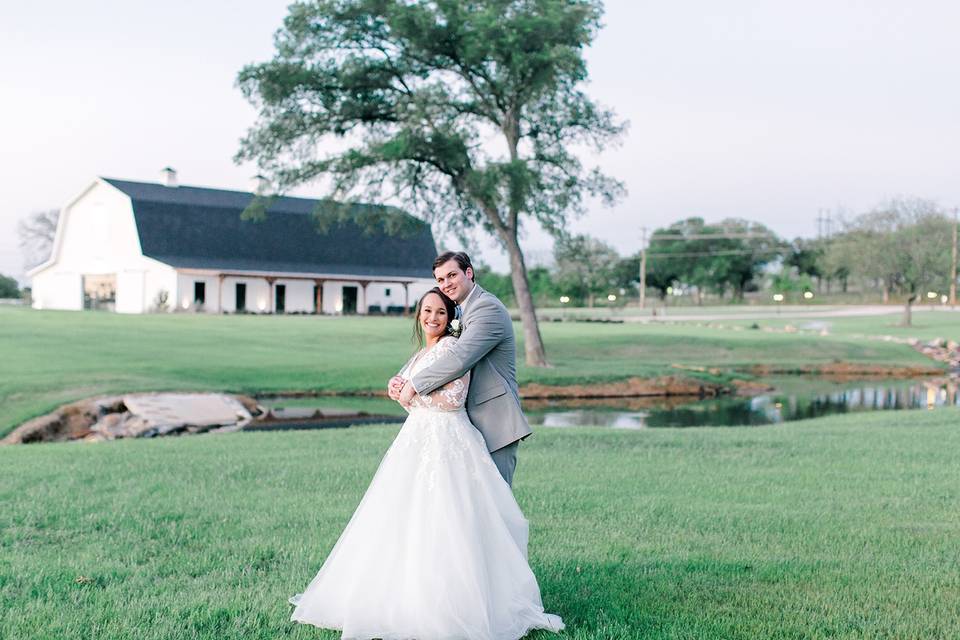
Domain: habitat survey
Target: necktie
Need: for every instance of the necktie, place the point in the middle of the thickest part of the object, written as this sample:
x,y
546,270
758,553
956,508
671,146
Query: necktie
x,y
457,312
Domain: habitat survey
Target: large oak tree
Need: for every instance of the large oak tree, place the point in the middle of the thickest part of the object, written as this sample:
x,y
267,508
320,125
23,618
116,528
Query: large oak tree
x,y
465,111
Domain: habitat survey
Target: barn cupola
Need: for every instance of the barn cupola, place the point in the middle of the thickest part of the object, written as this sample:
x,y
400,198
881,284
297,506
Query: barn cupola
x,y
259,185
168,177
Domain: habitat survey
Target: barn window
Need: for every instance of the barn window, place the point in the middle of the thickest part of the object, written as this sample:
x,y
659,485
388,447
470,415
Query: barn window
x,y
386,292
199,292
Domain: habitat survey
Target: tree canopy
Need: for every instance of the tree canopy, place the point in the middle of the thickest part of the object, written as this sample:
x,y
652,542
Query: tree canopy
x,y
466,112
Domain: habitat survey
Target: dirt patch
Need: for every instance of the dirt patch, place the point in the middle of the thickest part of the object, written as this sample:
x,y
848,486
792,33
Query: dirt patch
x,y
630,388
840,371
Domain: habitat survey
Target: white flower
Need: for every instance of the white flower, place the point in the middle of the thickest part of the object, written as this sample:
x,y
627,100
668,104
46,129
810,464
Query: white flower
x,y
455,327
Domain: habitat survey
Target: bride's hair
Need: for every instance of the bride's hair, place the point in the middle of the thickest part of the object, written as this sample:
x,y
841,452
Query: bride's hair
x,y
449,304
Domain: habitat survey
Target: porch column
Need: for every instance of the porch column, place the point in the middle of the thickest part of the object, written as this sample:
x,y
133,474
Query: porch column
x,y
365,308
220,278
406,298
318,300
270,302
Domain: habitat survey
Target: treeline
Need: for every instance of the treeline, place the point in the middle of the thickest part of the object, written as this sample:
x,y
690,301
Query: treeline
x,y
901,249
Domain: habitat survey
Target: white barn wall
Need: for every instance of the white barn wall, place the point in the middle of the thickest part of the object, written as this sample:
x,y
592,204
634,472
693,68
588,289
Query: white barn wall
x,y
96,235
54,289
159,277
184,288
299,295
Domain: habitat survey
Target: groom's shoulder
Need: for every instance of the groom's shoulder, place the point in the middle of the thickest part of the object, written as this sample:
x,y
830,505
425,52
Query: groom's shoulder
x,y
488,299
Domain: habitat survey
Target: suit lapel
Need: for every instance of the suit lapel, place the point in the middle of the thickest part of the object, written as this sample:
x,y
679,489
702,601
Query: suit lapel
x,y
474,300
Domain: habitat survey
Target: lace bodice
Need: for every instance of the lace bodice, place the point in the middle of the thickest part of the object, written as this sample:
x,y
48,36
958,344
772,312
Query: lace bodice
x,y
451,396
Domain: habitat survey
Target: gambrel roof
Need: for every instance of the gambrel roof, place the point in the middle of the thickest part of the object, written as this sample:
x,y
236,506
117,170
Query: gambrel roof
x,y
196,227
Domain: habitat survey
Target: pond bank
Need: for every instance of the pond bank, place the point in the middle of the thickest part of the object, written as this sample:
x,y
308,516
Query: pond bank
x,y
108,417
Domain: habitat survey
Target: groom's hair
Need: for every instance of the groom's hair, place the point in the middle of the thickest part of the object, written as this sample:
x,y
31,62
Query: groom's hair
x,y
462,260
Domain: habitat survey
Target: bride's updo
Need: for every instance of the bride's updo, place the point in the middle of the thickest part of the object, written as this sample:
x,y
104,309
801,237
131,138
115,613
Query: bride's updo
x,y
449,304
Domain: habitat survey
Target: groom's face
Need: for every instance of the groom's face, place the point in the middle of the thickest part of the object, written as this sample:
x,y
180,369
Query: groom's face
x,y
454,281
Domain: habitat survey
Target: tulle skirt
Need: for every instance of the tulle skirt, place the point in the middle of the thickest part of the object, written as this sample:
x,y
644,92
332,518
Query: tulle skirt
x,y
437,548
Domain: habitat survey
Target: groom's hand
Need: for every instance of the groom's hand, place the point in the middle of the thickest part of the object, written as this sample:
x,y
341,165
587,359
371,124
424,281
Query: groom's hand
x,y
406,395
394,387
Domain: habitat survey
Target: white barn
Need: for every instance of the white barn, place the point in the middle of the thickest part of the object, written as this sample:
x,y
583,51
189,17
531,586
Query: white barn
x,y
128,246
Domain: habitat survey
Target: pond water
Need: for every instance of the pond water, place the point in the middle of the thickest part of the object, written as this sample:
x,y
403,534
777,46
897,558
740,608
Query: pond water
x,y
793,398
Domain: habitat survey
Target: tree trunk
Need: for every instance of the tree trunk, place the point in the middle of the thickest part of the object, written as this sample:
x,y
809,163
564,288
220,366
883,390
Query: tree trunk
x,y
907,317
886,291
536,356
590,300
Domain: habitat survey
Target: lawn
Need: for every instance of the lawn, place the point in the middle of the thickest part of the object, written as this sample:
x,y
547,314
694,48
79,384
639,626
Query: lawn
x,y
834,528
48,358
926,325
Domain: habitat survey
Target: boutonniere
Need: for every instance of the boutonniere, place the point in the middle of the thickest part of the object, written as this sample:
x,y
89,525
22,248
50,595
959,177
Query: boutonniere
x,y
454,328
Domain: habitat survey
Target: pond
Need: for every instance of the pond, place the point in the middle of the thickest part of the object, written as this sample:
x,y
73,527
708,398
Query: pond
x,y
793,398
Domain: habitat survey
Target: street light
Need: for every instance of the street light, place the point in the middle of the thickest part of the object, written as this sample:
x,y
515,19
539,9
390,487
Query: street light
x,y
611,297
564,299
808,295
778,297
931,294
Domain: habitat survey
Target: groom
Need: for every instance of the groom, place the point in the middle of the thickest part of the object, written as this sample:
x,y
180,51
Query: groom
x,y
487,348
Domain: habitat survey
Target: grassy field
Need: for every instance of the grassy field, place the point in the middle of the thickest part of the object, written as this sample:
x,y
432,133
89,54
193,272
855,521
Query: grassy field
x,y
834,528
48,358
926,325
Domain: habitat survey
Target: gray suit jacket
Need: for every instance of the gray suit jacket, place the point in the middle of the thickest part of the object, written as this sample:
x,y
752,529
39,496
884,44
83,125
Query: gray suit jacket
x,y
488,349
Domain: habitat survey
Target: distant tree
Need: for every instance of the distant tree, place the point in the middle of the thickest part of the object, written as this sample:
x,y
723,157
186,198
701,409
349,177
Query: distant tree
x,y
499,284
467,112
903,244
788,281
37,232
543,286
585,267
711,257
9,287
747,257
660,275
806,255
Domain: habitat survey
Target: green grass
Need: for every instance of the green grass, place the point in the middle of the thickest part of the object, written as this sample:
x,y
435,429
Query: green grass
x,y
48,358
926,325
835,528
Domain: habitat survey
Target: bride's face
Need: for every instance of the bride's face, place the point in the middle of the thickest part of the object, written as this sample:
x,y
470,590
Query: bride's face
x,y
433,316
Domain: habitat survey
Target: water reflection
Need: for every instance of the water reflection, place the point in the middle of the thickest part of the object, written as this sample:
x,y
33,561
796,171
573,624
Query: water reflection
x,y
773,408
797,398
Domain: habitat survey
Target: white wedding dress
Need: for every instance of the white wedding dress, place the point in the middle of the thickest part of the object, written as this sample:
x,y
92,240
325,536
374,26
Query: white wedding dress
x,y
437,548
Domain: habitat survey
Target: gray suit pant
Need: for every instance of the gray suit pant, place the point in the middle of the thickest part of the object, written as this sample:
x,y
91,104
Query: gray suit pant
x,y
506,460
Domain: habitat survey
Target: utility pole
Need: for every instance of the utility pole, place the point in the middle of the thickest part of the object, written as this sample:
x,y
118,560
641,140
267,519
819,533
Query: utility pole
x,y
953,264
643,264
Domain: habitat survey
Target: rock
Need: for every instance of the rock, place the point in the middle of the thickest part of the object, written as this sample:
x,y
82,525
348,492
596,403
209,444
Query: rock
x,y
136,416
111,425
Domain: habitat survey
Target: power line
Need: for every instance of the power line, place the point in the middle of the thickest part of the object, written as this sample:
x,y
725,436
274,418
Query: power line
x,y
714,236
698,254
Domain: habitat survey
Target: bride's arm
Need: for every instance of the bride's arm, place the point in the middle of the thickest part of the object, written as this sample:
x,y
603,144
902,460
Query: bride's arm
x,y
450,397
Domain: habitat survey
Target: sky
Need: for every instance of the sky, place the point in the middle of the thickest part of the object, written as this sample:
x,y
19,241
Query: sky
x,y
760,109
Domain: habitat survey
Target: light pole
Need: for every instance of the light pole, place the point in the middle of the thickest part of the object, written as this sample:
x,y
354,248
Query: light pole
x,y
643,267
953,263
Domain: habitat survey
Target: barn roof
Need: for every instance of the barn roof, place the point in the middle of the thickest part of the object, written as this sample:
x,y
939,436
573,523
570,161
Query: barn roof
x,y
196,227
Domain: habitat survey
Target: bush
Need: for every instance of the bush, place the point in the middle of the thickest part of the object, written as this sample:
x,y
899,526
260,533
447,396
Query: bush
x,y
9,287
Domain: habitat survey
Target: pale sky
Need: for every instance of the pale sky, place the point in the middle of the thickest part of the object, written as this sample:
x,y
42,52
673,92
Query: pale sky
x,y
762,109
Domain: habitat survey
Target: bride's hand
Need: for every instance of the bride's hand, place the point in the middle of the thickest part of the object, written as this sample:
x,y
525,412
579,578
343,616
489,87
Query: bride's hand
x,y
394,387
406,394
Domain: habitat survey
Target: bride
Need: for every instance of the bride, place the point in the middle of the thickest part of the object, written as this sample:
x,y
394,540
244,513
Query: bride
x,y
437,547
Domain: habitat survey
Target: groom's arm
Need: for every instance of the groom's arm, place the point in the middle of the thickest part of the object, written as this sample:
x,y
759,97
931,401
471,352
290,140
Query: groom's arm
x,y
488,326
